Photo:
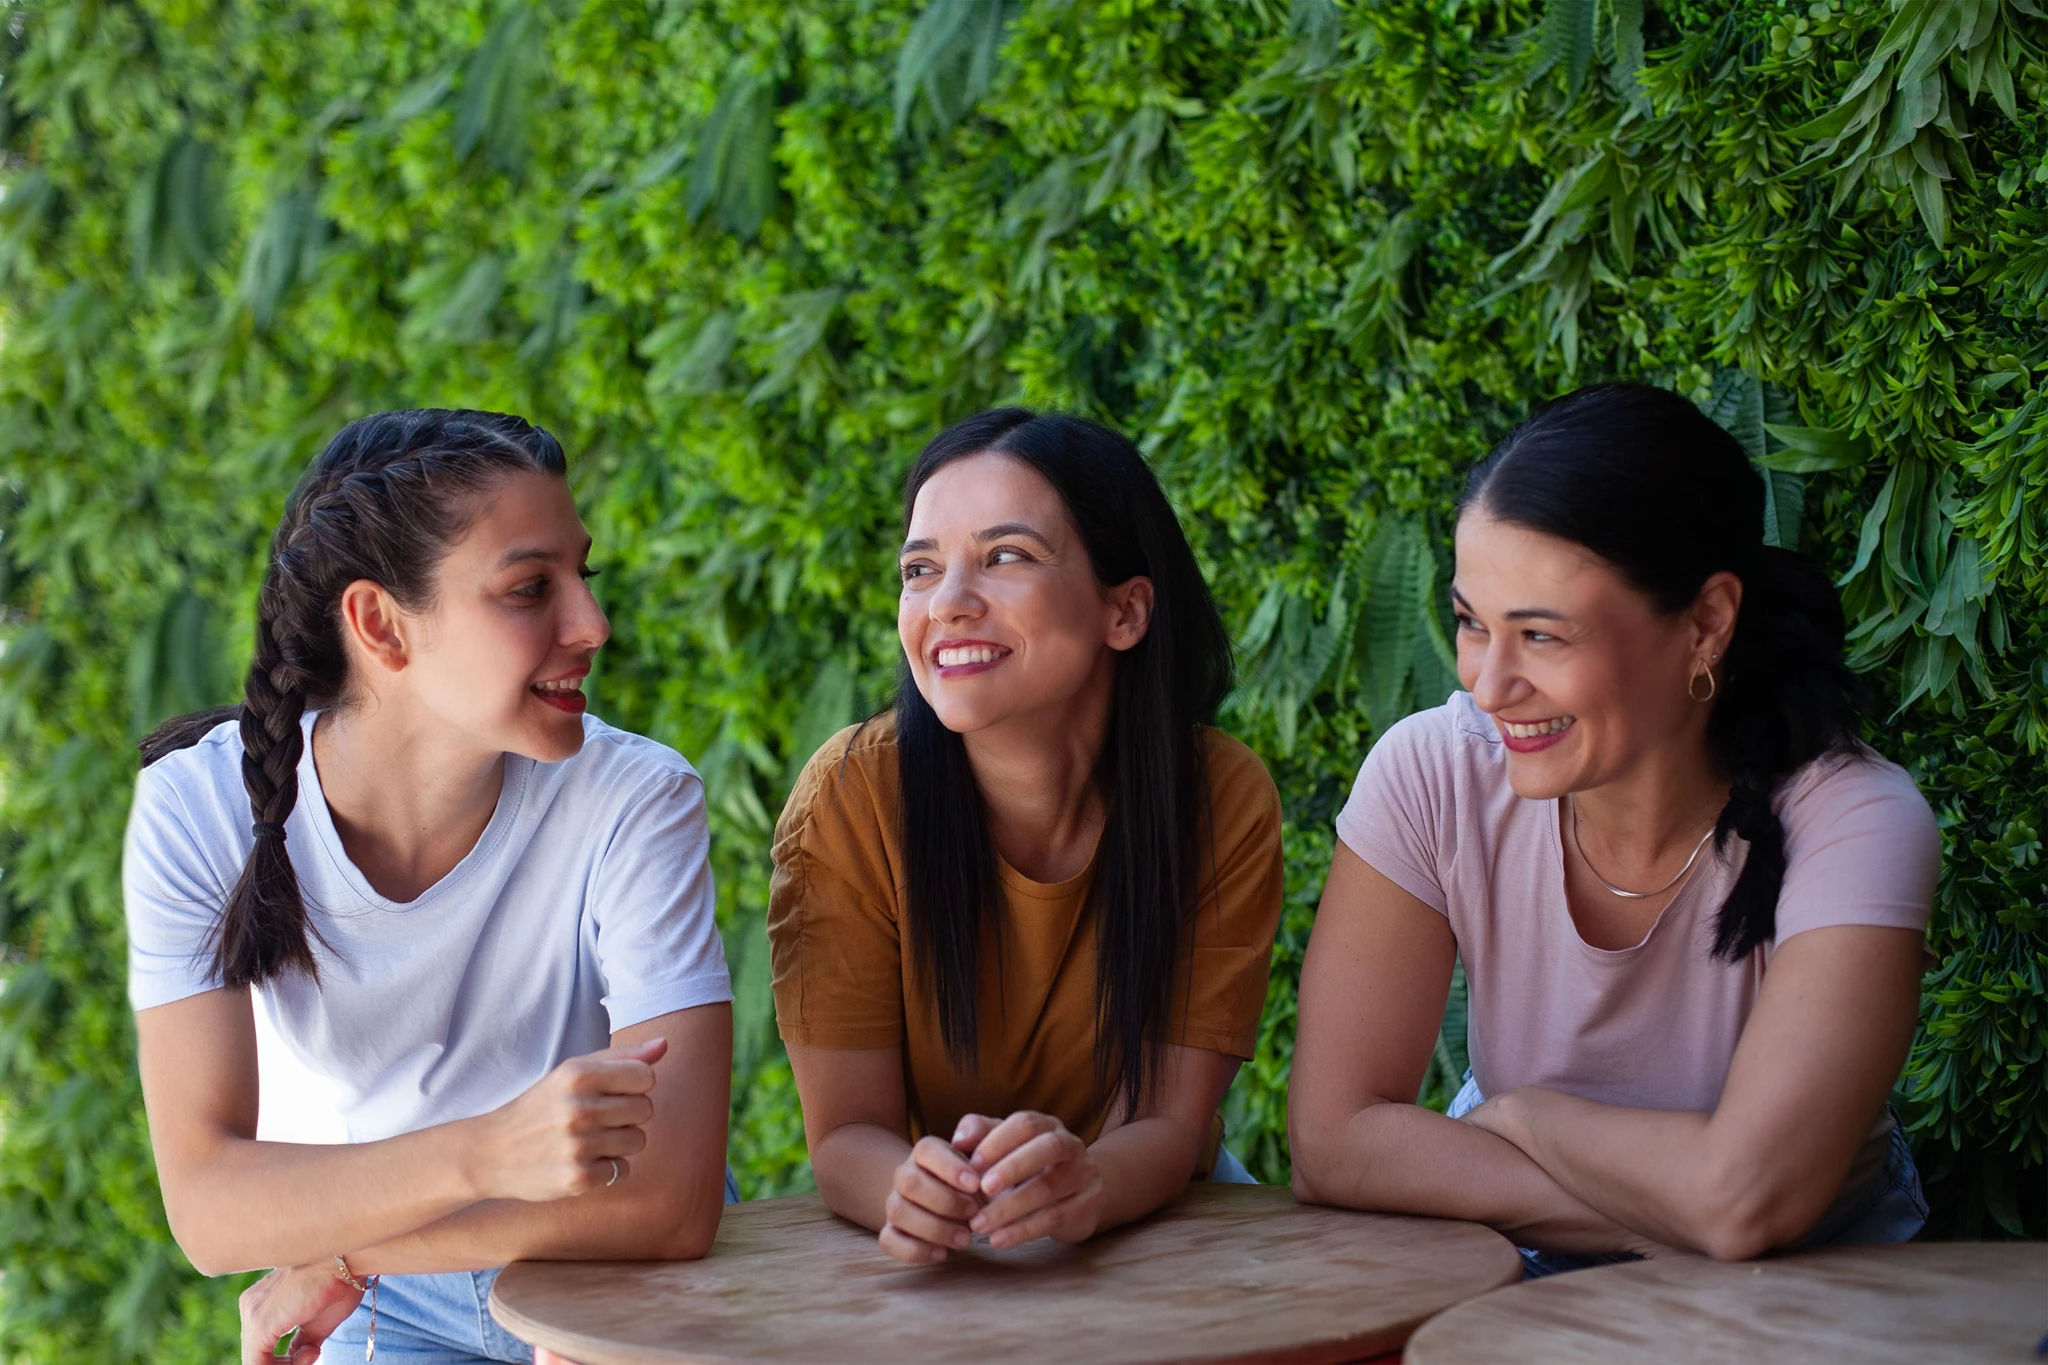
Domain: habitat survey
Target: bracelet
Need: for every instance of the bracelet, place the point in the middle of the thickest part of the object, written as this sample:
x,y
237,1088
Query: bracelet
x,y
348,1277
362,1287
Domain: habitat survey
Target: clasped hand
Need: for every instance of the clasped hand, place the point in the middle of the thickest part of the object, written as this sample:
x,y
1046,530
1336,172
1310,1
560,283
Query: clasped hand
x,y
1013,1180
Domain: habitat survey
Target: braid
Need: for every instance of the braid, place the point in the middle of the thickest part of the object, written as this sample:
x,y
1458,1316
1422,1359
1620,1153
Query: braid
x,y
1749,916
262,931
383,503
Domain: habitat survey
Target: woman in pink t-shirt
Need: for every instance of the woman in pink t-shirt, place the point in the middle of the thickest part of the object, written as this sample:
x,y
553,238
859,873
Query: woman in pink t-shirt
x,y
1690,903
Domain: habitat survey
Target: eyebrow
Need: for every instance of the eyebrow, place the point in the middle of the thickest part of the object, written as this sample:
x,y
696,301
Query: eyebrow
x,y
997,532
1519,613
540,553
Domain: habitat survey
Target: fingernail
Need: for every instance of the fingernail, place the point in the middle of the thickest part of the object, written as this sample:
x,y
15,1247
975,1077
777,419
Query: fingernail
x,y
961,1239
938,1254
966,1180
992,1187
980,1223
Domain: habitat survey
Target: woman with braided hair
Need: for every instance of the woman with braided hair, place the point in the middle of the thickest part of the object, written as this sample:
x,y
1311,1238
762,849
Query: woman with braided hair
x,y
1690,902
484,914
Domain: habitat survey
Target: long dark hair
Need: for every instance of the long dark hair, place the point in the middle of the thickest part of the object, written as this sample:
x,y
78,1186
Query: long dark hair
x,y
1651,485
384,502
1149,866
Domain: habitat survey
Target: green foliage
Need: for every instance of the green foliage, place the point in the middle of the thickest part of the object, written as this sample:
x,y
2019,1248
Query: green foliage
x,y
745,258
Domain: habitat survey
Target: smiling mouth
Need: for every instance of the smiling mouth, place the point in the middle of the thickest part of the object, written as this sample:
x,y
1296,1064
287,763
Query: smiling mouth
x,y
565,694
1538,729
954,657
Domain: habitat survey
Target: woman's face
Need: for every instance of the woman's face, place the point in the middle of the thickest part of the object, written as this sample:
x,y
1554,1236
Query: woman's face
x,y
500,653
1580,673
1000,614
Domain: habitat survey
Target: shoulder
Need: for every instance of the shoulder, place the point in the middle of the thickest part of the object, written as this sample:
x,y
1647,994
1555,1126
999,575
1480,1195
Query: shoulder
x,y
852,775
1438,749
1851,794
614,755
199,784
1235,770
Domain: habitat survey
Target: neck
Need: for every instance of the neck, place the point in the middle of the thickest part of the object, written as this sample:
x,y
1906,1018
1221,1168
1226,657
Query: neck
x,y
409,799
1036,773
1658,808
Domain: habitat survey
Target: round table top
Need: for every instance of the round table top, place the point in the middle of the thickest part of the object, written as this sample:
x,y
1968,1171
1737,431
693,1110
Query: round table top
x,y
1226,1273
1955,1301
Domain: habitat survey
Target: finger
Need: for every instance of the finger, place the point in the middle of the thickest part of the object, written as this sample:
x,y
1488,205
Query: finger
x,y
925,1225
968,1133
610,1142
1047,1222
1012,1133
904,1247
649,1050
598,1174
599,1112
610,1076
947,1165
927,1191
611,1111
1025,1199
1041,1153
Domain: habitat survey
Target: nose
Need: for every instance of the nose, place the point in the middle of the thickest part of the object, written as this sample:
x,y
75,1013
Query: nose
x,y
956,598
584,624
1496,683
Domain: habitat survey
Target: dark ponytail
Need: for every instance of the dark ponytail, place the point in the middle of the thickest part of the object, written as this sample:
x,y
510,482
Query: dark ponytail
x,y
384,502
1150,871
1651,485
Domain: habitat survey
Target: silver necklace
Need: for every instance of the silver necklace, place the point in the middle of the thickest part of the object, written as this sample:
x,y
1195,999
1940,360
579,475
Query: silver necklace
x,y
1573,808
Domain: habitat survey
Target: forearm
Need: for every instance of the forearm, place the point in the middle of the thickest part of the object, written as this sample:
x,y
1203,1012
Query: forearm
x,y
1671,1173
639,1220
1145,1164
247,1205
1401,1158
855,1166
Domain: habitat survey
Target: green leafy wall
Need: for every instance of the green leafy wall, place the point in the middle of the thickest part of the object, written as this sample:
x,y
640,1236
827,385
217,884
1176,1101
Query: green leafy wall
x,y
745,258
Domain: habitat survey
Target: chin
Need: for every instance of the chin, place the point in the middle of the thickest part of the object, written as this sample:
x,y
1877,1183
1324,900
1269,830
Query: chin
x,y
550,742
1534,779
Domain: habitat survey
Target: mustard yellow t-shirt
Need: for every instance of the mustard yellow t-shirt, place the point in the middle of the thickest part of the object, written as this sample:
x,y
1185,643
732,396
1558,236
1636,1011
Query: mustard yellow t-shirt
x,y
845,975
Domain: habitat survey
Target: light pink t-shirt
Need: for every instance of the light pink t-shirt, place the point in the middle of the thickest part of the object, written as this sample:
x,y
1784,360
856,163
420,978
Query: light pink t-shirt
x,y
1653,1026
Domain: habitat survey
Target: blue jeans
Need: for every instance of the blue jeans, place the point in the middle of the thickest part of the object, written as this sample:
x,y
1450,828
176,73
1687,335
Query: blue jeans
x,y
1891,1208
439,1319
1228,1170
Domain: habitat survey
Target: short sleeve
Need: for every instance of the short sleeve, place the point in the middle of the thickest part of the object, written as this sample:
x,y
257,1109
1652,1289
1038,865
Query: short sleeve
x,y
1861,847
832,923
654,906
172,893
1398,805
1234,929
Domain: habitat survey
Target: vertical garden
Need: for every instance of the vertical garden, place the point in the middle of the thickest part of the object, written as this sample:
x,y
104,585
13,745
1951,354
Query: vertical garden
x,y
744,258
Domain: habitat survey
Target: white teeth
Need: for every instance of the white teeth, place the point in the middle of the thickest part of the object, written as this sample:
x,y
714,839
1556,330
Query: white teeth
x,y
1540,728
560,685
969,654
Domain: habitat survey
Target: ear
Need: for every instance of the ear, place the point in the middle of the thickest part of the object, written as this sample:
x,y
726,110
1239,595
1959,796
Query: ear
x,y
1714,613
1128,610
373,627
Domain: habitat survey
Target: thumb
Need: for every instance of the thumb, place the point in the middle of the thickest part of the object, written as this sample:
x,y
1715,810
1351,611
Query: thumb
x,y
649,1050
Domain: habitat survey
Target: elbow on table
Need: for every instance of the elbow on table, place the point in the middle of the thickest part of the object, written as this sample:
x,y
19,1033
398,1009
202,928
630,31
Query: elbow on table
x,y
683,1230
1309,1145
1741,1216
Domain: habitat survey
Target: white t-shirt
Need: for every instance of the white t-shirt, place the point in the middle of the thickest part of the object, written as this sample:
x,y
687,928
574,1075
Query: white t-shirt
x,y
585,907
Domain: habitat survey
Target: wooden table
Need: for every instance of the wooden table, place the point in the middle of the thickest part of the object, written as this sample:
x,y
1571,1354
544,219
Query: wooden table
x,y
1957,1301
1229,1273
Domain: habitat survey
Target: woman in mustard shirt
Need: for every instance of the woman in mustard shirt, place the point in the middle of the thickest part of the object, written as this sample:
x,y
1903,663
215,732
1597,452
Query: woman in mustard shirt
x,y
1022,922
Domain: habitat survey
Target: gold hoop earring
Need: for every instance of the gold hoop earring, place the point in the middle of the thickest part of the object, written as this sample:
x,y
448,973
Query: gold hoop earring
x,y
1692,684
